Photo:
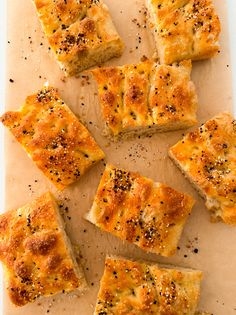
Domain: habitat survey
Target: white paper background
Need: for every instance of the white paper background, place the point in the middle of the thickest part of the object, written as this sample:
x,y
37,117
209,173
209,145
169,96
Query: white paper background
x,y
3,42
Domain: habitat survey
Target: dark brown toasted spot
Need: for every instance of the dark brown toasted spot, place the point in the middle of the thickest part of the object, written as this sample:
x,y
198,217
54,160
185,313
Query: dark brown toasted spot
x,y
61,6
108,97
3,224
134,93
88,25
22,270
7,118
19,296
53,262
67,273
193,136
41,245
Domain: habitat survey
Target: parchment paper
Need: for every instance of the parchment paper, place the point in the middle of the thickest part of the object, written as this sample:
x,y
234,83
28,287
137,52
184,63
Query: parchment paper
x,y
30,65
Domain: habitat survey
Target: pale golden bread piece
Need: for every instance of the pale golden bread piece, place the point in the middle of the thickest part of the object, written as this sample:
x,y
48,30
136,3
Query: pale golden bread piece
x,y
139,288
184,29
134,208
53,137
207,157
146,97
81,33
36,254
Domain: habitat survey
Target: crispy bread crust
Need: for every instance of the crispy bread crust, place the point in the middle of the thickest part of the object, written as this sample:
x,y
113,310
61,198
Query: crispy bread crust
x,y
53,137
134,208
130,287
35,252
184,29
81,33
146,97
207,157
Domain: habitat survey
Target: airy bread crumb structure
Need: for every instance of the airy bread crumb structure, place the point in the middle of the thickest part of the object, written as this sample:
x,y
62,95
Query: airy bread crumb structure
x,y
134,208
140,288
207,156
146,97
184,29
53,137
36,254
81,33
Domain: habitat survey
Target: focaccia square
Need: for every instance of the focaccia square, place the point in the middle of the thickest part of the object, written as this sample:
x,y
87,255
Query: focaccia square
x,y
53,137
81,33
146,97
184,29
36,254
207,157
130,287
135,209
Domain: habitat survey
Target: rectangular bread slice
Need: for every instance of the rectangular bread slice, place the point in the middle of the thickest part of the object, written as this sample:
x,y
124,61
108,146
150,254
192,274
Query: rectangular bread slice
x,y
142,288
146,97
184,29
207,157
37,256
81,33
53,137
135,209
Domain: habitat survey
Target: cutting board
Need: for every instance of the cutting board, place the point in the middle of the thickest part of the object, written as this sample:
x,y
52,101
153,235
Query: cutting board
x,y
30,64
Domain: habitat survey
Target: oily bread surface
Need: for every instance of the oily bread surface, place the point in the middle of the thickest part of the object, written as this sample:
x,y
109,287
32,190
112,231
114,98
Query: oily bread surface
x,y
207,157
81,33
135,209
36,254
142,288
146,97
55,139
184,29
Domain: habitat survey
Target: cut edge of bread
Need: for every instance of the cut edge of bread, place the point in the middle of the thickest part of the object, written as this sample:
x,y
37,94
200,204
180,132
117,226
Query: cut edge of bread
x,y
152,263
211,203
89,216
153,127
145,131
96,57
151,21
77,268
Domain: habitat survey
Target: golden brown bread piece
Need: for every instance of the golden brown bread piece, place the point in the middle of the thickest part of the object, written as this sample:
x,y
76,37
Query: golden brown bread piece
x,y
81,33
134,208
207,156
146,97
184,29
130,287
36,254
53,137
